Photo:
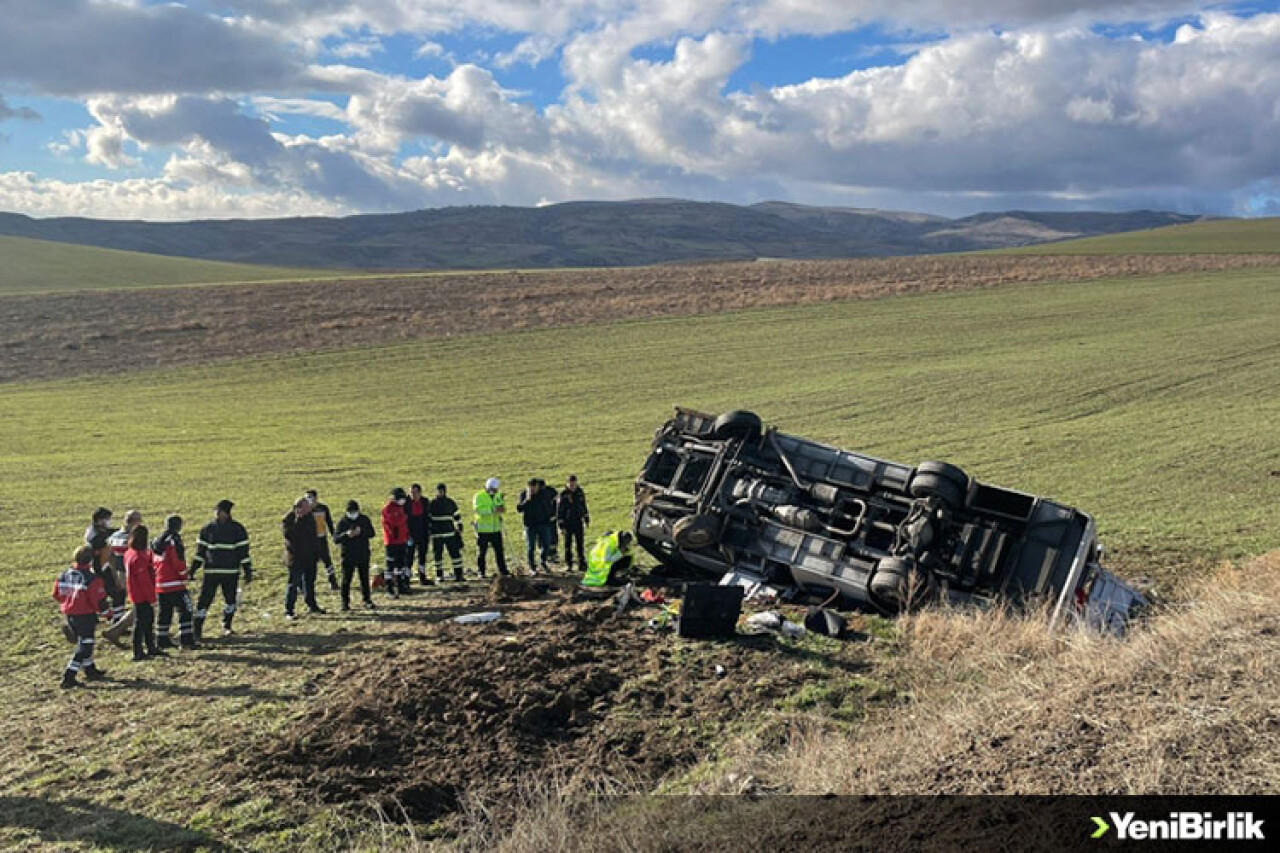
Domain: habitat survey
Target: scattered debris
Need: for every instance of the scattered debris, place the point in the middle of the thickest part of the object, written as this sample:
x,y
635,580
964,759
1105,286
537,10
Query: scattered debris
x,y
507,588
478,618
710,612
822,620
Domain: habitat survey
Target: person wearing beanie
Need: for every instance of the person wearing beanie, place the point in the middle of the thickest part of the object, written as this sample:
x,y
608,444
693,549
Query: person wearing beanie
x,y
395,540
169,554
222,550
82,598
489,506
302,552
355,532
446,532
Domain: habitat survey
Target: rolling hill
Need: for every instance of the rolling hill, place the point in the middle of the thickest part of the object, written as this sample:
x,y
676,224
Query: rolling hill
x,y
33,266
578,234
1214,237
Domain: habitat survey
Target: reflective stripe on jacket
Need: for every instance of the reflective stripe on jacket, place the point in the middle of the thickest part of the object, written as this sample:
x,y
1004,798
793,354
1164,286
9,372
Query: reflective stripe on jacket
x,y
600,562
488,520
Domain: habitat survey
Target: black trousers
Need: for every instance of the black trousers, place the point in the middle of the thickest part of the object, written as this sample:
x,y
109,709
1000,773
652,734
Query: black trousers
x,y
179,600
84,628
230,586
302,578
349,569
452,541
574,534
485,541
144,624
322,552
418,550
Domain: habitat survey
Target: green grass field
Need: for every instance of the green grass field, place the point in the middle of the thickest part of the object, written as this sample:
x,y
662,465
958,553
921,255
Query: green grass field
x,y
1150,403
1215,237
40,266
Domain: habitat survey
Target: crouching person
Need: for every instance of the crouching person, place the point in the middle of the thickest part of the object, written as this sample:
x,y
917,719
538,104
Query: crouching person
x,y
82,597
170,559
355,532
140,581
610,561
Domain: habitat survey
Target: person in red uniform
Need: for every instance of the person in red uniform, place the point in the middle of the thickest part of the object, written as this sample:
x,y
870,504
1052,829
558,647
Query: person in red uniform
x,y
140,581
82,597
171,585
395,539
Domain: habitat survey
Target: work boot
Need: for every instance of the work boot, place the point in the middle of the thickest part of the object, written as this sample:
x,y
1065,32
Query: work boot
x,y
69,680
346,607
197,628
333,580
157,653
92,673
139,656
318,610
368,602
165,643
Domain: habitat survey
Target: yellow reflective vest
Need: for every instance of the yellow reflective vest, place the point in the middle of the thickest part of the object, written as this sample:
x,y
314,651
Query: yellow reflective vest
x,y
488,520
600,562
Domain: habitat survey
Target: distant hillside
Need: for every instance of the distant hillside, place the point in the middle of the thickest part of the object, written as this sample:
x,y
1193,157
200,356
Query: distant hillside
x,y
579,234
28,266
1220,236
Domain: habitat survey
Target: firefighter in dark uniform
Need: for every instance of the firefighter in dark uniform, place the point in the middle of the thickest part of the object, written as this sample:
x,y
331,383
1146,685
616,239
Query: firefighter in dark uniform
x,y
222,550
446,532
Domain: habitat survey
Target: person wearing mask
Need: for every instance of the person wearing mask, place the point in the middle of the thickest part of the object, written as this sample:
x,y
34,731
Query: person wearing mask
x,y
538,509
355,532
140,580
418,510
610,560
395,541
489,506
169,555
302,551
222,550
82,598
324,529
446,532
573,518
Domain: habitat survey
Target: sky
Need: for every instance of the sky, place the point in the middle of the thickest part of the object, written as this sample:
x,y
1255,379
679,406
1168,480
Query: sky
x,y
135,109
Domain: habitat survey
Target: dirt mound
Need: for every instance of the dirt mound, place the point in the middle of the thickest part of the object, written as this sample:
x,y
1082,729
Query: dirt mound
x,y
511,588
546,688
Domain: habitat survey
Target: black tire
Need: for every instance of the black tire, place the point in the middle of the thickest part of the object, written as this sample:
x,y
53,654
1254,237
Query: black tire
x,y
896,582
696,531
738,424
941,480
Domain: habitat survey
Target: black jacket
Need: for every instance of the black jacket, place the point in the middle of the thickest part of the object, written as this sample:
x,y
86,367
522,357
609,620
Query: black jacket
x,y
223,549
353,537
444,515
418,524
571,509
539,508
302,545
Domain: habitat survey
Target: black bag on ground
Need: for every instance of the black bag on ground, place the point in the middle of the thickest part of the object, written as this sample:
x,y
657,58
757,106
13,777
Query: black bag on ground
x,y
709,611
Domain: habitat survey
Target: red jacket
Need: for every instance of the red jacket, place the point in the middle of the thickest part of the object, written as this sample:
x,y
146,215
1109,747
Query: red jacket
x,y
80,592
140,575
395,524
171,566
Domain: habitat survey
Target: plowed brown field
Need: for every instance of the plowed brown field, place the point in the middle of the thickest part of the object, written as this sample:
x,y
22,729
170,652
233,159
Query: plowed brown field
x,y
76,334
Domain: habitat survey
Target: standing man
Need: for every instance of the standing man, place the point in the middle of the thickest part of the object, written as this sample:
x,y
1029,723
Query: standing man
x,y
324,529
539,522
446,532
355,532
553,537
169,554
121,619
98,538
395,539
222,550
490,506
573,518
302,551
419,513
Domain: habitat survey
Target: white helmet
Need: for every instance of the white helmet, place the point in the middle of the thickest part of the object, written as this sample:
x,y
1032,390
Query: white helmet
x,y
492,484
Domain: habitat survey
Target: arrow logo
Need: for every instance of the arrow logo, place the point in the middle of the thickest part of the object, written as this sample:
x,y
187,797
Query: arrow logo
x,y
1103,826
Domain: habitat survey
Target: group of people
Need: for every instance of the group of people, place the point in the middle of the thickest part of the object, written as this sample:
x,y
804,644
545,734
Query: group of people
x,y
118,566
